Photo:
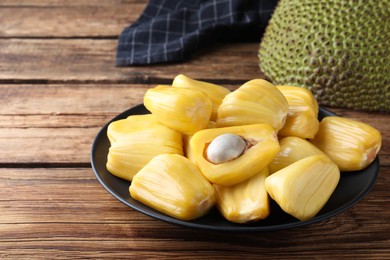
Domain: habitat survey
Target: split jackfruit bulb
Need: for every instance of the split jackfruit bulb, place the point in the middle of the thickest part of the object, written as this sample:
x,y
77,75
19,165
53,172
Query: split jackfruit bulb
x,y
302,118
261,147
171,184
255,102
338,49
351,144
183,109
292,149
244,202
215,92
135,141
303,188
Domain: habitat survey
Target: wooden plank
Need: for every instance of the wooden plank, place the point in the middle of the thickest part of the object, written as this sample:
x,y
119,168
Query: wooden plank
x,y
206,246
90,61
67,212
46,145
69,99
66,106
194,245
91,19
38,195
59,120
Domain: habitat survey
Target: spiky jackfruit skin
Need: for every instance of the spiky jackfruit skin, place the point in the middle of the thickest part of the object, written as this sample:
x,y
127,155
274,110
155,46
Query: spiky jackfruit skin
x,y
338,49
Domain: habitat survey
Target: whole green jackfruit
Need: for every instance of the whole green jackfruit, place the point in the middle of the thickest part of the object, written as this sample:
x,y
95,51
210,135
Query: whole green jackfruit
x,y
339,49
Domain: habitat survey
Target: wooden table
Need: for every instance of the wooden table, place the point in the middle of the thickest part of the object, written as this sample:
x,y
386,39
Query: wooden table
x,y
59,86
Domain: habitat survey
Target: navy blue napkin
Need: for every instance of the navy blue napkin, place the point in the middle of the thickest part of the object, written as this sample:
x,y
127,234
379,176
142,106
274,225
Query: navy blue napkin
x,y
173,30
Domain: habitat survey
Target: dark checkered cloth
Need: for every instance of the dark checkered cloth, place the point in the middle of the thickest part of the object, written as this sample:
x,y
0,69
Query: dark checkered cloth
x,y
173,30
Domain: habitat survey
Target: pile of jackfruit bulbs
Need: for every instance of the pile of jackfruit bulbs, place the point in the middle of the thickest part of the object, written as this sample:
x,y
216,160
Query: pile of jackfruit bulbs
x,y
203,146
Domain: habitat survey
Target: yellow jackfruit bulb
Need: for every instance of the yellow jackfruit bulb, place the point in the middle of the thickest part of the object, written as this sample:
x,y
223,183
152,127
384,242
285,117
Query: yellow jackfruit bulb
x,y
174,186
303,188
302,118
130,152
130,124
216,93
292,149
256,102
229,155
244,202
351,144
183,109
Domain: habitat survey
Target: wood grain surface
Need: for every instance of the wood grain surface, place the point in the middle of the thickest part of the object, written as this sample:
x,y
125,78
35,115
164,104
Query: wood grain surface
x,y
59,86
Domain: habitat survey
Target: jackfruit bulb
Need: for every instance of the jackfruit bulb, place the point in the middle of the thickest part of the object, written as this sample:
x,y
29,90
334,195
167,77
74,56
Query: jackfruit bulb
x,y
338,49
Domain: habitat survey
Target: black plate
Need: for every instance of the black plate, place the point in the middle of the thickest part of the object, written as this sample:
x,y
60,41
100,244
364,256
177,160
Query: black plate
x,y
352,187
